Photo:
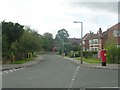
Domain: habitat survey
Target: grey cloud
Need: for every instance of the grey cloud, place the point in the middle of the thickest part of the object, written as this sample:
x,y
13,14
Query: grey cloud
x,y
108,6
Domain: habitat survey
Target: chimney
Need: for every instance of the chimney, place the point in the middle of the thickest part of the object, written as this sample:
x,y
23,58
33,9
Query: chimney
x,y
100,31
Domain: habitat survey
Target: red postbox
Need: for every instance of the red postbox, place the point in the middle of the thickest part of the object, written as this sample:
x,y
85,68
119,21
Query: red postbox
x,y
103,57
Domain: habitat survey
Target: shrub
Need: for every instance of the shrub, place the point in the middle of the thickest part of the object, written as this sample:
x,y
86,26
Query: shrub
x,y
73,54
113,55
89,54
113,52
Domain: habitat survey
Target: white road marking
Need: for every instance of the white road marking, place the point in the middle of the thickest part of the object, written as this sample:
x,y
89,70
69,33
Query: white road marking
x,y
21,68
76,71
5,71
10,70
73,79
14,70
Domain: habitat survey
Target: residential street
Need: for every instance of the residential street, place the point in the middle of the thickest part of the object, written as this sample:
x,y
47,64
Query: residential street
x,y
57,72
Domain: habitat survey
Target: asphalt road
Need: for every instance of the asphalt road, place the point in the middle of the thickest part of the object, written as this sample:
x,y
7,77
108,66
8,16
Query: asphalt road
x,y
56,72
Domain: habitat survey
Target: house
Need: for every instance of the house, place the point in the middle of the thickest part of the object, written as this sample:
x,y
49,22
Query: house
x,y
74,41
86,41
114,33
96,42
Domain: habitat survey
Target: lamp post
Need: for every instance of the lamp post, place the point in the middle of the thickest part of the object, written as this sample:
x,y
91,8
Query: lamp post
x,y
63,53
81,40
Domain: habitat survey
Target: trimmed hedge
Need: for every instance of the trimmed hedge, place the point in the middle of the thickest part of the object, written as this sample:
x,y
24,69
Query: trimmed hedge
x,y
89,54
86,54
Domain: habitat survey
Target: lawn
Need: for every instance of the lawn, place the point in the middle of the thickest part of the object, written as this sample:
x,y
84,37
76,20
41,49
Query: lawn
x,y
90,60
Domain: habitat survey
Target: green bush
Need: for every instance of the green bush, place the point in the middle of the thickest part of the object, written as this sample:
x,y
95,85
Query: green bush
x,y
73,54
113,55
89,54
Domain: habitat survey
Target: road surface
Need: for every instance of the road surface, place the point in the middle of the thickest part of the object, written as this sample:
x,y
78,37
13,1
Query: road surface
x,y
56,72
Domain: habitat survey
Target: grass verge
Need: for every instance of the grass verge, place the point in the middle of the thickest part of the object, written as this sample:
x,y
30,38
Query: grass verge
x,y
21,61
89,60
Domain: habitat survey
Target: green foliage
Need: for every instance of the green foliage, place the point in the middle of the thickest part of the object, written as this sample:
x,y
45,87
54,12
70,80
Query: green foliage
x,y
62,39
47,41
62,34
76,48
5,45
12,30
89,54
90,60
21,61
86,54
113,52
19,40
74,54
29,42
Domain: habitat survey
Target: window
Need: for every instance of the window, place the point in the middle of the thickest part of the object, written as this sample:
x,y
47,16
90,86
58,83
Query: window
x,y
95,41
96,49
118,45
83,42
116,33
91,42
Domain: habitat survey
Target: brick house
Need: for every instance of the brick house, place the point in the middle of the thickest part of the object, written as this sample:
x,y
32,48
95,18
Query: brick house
x,y
86,40
114,33
96,42
74,41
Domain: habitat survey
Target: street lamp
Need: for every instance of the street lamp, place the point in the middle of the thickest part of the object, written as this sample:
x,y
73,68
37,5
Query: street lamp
x,y
81,40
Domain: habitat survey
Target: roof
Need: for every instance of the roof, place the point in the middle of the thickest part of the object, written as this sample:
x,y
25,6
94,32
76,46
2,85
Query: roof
x,y
74,40
115,27
89,36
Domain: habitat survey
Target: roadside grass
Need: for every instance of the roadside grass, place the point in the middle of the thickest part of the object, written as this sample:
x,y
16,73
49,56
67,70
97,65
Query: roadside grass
x,y
90,60
21,61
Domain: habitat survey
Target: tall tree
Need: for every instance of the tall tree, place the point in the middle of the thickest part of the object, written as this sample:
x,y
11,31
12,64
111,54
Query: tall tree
x,y
12,30
62,34
62,38
47,41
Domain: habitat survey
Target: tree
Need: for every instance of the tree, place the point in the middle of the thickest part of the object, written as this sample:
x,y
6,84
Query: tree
x,y
62,34
47,41
62,38
5,45
29,42
12,30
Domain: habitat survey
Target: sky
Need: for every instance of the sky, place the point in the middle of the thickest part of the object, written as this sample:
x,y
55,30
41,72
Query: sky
x,y
53,15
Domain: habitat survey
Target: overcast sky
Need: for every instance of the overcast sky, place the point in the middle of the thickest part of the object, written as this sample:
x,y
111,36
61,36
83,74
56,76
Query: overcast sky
x,y
53,15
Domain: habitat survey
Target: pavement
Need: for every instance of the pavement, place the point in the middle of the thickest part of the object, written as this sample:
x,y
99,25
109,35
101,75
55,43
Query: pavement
x,y
108,66
39,58
27,64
